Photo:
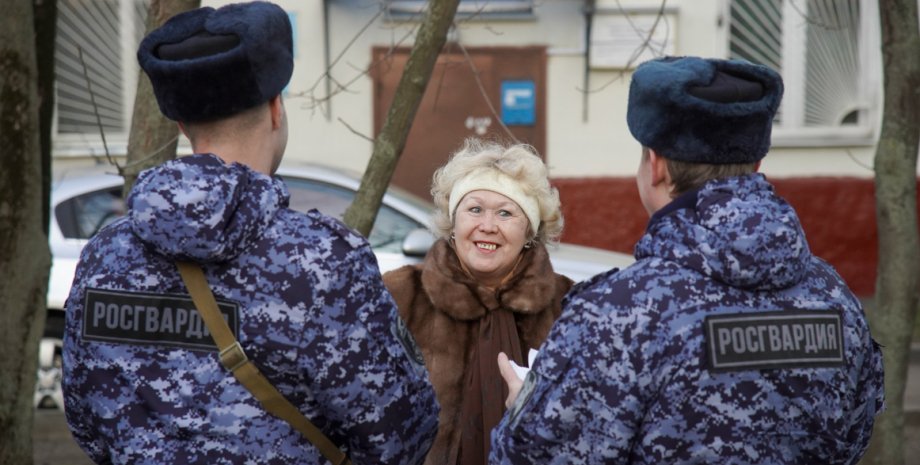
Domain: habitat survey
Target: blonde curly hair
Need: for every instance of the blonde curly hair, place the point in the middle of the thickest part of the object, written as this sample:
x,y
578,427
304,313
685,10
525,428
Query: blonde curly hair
x,y
519,162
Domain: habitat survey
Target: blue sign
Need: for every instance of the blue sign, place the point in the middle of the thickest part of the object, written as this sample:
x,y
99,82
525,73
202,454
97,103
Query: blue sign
x,y
519,103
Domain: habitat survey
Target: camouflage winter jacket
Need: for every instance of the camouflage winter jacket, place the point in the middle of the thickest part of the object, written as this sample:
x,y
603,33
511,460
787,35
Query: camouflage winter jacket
x,y
142,382
726,342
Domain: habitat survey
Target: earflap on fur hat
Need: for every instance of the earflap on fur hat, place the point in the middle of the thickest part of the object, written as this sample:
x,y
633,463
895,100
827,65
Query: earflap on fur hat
x,y
206,64
704,110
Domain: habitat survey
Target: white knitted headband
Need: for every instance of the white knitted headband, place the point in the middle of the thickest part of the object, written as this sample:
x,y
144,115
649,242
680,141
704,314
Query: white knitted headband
x,y
491,180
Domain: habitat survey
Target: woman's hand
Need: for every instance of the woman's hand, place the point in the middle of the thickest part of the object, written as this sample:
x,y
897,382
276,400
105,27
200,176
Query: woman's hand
x,y
514,383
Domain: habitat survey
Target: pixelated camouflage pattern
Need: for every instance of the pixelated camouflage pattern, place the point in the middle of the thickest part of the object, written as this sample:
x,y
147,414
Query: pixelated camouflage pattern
x,y
623,378
315,318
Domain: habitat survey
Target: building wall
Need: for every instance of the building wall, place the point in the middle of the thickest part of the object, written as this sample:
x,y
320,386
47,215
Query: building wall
x,y
591,155
837,214
585,136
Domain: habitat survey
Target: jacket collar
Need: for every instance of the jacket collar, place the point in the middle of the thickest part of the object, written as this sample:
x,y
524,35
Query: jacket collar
x,y
532,287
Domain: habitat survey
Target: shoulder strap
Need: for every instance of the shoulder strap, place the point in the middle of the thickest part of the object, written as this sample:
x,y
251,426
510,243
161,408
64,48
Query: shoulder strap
x,y
234,359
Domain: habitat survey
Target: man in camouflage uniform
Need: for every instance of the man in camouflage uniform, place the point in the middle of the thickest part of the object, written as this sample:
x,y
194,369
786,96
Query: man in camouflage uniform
x,y
727,341
302,293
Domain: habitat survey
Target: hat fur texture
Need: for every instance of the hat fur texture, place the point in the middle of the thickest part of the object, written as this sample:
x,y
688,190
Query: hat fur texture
x,y
218,84
666,114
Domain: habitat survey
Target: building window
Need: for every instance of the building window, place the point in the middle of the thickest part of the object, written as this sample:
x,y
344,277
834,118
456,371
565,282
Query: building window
x,y
484,9
822,49
108,33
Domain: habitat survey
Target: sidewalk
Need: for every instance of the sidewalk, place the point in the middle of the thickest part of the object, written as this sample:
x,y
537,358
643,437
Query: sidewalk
x,y
52,443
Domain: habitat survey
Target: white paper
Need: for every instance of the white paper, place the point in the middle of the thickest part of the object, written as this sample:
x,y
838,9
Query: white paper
x,y
520,371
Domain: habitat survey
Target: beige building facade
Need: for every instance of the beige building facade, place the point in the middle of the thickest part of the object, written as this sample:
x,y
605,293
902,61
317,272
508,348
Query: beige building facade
x,y
552,73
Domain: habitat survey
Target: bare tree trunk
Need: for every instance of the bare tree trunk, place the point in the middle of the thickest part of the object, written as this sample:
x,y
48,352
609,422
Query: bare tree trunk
x,y
45,31
896,204
153,138
431,37
24,255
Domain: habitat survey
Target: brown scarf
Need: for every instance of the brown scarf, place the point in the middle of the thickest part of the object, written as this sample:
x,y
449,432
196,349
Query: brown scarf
x,y
485,391
494,315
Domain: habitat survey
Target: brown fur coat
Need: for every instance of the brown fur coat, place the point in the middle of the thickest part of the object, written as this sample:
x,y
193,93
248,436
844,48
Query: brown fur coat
x,y
441,306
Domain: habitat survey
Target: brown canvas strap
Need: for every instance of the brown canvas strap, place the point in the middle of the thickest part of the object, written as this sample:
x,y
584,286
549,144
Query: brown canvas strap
x,y
234,359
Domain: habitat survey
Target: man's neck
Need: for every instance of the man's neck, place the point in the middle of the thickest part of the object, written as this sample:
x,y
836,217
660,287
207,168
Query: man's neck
x,y
245,152
685,200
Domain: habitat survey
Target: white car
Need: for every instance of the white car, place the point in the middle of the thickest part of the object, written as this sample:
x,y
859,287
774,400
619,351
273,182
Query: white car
x,y
85,201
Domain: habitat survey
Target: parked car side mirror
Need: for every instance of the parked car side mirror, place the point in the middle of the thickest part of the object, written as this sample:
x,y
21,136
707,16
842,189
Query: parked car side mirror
x,y
417,242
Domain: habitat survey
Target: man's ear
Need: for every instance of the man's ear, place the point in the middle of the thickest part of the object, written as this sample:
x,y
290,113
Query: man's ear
x,y
659,168
277,108
757,166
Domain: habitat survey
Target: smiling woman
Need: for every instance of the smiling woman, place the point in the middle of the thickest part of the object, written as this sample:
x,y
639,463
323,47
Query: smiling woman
x,y
486,286
489,234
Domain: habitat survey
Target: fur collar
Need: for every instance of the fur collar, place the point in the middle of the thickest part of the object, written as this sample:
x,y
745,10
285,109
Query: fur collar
x,y
531,289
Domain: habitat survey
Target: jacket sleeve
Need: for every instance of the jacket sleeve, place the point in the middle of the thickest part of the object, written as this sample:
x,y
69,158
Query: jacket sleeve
x,y
81,418
375,389
581,403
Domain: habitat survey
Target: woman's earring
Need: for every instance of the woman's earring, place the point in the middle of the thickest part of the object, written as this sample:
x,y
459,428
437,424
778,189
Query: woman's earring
x,y
529,244
452,237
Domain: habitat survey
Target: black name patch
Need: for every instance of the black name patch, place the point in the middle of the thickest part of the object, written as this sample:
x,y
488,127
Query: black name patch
x,y
780,339
145,318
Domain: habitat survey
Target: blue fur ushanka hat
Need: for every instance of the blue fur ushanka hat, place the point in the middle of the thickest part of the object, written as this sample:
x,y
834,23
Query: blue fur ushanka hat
x,y
704,110
206,64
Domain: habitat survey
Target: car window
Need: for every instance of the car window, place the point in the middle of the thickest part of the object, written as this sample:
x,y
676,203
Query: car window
x,y
83,216
389,230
